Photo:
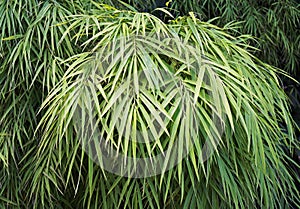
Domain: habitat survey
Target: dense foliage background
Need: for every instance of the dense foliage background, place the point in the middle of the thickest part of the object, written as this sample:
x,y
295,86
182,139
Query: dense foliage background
x,y
43,48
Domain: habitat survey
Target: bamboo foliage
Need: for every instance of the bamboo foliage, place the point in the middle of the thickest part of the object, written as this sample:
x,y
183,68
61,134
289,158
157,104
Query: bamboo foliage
x,y
47,50
274,24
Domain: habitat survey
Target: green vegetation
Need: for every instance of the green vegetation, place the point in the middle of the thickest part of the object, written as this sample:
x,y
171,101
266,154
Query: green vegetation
x,y
45,48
